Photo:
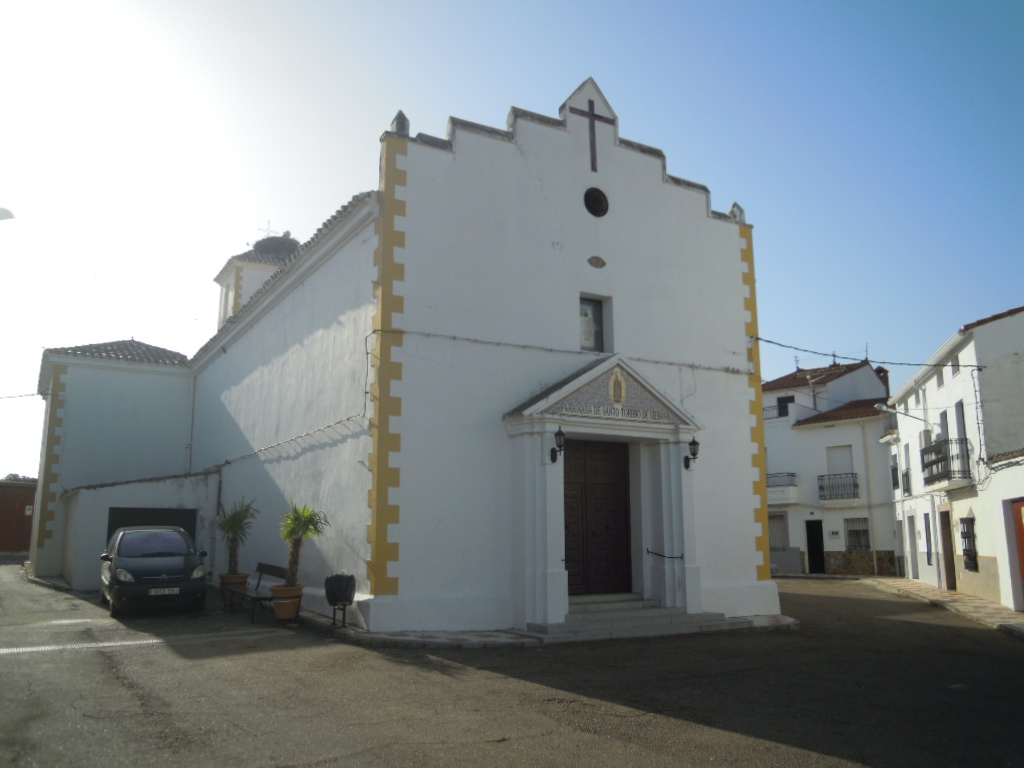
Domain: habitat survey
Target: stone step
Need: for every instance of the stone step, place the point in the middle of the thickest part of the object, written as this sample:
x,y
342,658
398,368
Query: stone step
x,y
677,623
623,617
609,603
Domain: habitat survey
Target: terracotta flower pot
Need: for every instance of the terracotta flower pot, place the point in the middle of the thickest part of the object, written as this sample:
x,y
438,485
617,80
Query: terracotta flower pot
x,y
230,582
287,601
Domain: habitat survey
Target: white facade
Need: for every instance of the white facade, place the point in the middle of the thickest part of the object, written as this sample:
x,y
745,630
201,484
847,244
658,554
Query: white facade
x,y
406,372
959,450
108,420
829,483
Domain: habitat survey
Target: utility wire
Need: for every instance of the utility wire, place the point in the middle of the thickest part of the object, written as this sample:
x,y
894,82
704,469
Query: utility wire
x,y
858,359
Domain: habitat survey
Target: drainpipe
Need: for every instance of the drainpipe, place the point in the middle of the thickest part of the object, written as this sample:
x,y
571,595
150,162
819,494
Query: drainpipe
x,y
867,481
213,528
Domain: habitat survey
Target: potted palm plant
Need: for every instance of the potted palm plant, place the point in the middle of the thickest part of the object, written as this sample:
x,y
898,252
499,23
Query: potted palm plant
x,y
298,525
234,527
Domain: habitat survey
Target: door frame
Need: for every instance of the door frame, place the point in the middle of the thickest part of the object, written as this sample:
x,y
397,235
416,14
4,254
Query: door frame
x,y
662,514
587,552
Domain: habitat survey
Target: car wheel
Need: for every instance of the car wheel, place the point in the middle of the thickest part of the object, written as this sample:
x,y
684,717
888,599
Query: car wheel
x,y
115,610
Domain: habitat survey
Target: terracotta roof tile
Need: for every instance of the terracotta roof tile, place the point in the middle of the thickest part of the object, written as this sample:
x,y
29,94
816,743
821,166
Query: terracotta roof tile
x,y
1000,316
799,377
1006,456
855,409
130,351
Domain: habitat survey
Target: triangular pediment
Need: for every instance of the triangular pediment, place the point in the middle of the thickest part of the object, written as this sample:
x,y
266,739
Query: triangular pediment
x,y
612,390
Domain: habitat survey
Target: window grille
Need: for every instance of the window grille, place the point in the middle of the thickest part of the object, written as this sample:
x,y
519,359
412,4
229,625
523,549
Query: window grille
x,y
967,539
778,535
857,536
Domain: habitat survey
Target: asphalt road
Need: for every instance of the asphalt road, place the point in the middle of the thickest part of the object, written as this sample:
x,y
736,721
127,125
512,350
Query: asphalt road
x,y
871,679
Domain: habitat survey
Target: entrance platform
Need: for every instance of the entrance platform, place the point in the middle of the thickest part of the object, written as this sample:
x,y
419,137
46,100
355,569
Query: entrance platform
x,y
597,617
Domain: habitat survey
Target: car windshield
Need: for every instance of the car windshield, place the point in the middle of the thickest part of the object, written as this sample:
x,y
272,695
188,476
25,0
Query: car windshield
x,y
152,544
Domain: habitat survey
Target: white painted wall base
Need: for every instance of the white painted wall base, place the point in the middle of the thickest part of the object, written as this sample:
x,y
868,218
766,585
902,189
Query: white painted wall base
x,y
746,598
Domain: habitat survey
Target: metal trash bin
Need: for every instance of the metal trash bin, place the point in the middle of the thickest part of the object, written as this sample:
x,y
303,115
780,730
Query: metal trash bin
x,y
340,590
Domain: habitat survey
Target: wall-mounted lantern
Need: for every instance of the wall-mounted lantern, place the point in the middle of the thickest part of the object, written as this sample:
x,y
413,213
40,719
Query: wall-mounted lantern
x,y
559,445
694,450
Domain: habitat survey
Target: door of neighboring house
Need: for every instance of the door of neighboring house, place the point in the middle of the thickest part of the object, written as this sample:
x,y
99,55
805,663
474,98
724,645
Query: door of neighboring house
x,y
1018,526
597,517
914,572
948,561
928,538
815,547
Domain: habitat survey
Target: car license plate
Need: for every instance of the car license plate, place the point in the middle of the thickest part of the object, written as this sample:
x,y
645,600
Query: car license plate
x,y
164,591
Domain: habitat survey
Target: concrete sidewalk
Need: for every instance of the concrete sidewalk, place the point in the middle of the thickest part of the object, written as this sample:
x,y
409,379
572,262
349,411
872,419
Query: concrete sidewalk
x,y
982,611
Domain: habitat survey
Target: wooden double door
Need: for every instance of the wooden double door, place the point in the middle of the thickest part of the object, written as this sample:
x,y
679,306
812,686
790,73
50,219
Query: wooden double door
x,y
597,540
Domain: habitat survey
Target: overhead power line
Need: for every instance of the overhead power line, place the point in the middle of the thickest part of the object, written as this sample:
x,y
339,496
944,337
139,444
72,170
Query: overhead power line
x,y
834,356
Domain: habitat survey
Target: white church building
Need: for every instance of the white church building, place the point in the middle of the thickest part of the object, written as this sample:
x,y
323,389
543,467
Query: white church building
x,y
409,368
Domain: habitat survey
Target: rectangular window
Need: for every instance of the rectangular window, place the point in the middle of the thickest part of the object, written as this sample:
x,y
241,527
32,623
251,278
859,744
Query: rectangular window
x,y
778,533
939,380
784,403
928,537
969,544
857,536
954,365
591,325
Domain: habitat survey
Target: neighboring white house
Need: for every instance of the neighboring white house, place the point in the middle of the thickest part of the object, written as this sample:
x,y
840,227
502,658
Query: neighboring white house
x,y
406,370
959,454
830,504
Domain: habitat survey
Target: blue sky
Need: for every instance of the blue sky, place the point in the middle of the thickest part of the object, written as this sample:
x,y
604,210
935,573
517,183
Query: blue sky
x,y
875,146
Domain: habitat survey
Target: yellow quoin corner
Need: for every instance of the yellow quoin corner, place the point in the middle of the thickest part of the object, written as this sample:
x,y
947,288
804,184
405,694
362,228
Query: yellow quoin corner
x,y
386,406
757,458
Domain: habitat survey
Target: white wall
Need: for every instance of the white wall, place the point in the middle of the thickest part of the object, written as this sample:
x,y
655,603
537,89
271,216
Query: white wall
x,y
269,388
123,422
497,242
1000,348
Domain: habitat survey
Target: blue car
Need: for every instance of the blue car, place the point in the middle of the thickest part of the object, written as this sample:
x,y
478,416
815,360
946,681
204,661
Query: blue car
x,y
152,565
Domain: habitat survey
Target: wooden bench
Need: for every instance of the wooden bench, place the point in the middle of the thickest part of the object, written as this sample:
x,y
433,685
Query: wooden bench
x,y
256,596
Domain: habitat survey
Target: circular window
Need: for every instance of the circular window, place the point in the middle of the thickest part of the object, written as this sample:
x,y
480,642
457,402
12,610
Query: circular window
x,y
596,201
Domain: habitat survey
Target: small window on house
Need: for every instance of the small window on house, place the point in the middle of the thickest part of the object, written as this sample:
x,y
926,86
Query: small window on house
x,y
857,536
939,380
591,325
954,365
969,545
784,403
778,534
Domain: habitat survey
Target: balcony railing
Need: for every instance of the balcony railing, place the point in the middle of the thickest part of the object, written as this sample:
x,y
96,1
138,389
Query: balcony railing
x,y
779,479
841,486
771,412
946,460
